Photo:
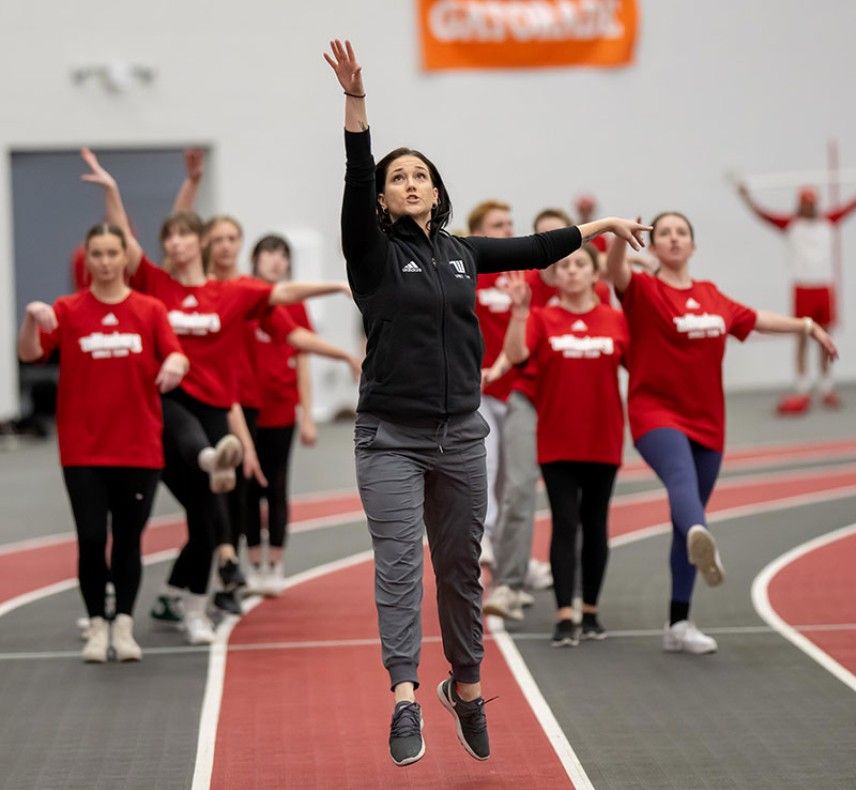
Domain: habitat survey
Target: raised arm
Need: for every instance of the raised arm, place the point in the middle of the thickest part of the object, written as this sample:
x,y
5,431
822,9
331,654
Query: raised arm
x,y
194,168
618,270
514,346
835,215
288,292
38,315
779,221
363,243
114,210
774,323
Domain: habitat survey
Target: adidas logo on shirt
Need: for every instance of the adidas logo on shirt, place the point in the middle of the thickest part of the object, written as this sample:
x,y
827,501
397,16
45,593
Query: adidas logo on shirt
x,y
579,326
411,267
692,304
190,301
109,320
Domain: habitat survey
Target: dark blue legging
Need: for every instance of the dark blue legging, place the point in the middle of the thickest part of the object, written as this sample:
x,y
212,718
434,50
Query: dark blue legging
x,y
689,472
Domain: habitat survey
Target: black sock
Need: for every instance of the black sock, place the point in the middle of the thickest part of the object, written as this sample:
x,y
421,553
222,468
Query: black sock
x,y
678,610
589,618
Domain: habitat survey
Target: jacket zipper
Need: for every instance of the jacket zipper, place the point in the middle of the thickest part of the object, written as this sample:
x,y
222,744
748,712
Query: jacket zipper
x,y
442,334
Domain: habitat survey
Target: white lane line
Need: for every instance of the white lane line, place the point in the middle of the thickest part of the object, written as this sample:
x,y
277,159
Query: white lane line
x,y
761,601
210,713
532,694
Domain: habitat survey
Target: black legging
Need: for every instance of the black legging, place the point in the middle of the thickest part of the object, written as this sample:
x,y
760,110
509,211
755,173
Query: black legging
x,y
189,427
579,494
238,497
124,496
273,446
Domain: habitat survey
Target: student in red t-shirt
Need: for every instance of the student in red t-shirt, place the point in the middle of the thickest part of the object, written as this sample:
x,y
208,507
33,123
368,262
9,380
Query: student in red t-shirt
x,y
117,351
201,452
492,218
678,327
577,346
284,384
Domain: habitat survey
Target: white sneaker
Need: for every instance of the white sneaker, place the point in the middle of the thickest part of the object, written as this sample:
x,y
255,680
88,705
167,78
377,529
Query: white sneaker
x,y
198,629
503,601
487,556
702,552
255,581
273,580
220,462
539,575
684,637
98,641
124,644
525,599
82,624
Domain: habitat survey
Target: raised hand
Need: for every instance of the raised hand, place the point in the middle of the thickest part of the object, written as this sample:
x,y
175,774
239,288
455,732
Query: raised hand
x,y
344,64
97,174
630,230
518,289
42,315
194,163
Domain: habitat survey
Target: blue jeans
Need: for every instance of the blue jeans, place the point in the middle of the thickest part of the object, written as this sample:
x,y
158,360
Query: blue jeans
x,y
688,471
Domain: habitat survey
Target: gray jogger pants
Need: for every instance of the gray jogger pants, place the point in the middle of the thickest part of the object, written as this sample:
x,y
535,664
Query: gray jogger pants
x,y
512,543
433,476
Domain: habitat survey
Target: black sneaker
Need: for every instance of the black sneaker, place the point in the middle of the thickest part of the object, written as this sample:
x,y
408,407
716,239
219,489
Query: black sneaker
x,y
406,744
228,602
591,628
167,609
566,634
469,718
231,575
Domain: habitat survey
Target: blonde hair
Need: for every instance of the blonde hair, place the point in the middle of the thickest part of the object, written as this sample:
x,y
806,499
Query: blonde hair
x,y
477,215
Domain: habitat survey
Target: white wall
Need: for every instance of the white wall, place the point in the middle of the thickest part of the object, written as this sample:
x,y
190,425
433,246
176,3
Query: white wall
x,y
757,85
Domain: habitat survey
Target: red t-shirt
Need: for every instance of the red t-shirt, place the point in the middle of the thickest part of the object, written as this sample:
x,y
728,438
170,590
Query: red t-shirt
x,y
493,308
277,362
108,407
675,360
580,417
209,321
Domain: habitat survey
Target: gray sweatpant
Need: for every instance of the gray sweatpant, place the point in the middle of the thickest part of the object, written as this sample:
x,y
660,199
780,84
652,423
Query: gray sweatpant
x,y
412,479
512,542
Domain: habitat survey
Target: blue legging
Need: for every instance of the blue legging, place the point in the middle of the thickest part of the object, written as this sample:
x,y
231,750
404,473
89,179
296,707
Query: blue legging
x,y
689,472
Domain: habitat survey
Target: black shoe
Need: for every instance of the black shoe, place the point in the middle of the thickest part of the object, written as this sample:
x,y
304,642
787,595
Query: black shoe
x,y
231,575
591,628
228,602
566,634
406,744
470,720
168,609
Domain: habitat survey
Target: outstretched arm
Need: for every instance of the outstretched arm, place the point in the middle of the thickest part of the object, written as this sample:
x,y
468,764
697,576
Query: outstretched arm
x,y
304,340
38,316
839,213
774,323
194,167
114,209
779,221
618,270
288,292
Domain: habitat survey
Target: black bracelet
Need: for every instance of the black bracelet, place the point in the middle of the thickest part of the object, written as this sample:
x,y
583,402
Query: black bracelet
x,y
355,95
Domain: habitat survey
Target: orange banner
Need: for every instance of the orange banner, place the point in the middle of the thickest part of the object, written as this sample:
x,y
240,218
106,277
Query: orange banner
x,y
511,34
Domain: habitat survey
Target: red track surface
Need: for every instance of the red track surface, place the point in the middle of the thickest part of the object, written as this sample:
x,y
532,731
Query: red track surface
x,y
283,711
819,588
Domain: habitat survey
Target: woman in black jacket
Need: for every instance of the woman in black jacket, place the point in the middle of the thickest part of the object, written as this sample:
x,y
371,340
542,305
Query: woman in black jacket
x,y
419,440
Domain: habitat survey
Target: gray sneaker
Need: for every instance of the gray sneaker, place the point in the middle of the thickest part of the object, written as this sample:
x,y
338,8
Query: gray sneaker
x,y
406,744
470,720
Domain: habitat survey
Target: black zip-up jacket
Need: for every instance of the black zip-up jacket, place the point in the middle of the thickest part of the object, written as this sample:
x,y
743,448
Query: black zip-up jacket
x,y
417,298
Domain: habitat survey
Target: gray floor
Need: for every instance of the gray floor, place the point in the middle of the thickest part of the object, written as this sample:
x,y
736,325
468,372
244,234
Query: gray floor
x,y
757,714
